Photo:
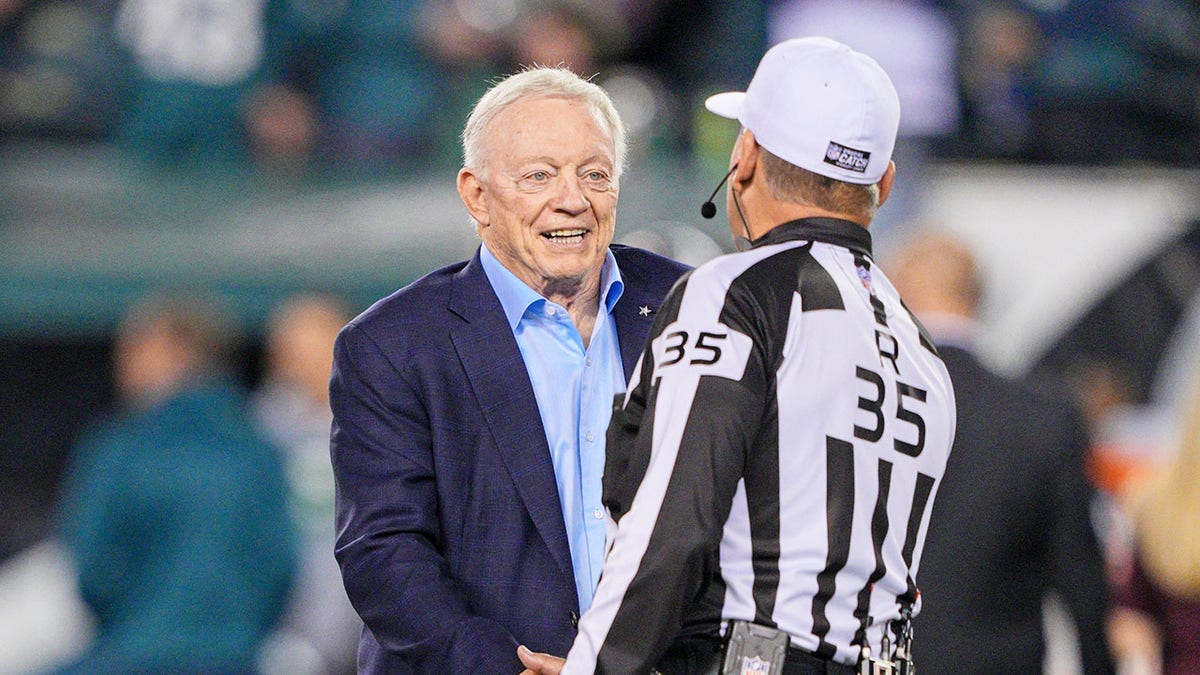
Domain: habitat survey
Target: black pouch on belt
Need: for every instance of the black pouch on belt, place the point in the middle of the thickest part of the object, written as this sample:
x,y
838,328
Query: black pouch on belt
x,y
751,648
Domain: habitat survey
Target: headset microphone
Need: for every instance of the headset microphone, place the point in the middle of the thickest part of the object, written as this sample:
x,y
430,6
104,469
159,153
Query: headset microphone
x,y
708,209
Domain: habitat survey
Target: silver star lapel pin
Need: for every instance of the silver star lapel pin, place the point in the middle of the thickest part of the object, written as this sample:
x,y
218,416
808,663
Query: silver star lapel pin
x,y
644,310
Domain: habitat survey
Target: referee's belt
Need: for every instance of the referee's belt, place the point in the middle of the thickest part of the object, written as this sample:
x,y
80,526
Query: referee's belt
x,y
704,654
803,662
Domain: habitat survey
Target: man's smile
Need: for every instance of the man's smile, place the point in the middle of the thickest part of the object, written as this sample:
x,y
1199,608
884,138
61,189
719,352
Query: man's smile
x,y
565,236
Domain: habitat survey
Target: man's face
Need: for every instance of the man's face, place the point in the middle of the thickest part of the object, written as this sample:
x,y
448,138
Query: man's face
x,y
546,202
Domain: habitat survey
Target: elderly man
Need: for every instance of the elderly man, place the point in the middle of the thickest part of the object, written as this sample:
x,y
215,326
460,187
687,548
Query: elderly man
x,y
470,407
773,466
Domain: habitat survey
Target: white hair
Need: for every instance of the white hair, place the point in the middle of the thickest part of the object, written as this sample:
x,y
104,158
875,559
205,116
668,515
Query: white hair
x,y
535,82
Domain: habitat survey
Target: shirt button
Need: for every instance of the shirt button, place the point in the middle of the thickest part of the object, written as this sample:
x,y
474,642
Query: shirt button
x,y
591,437
588,363
598,514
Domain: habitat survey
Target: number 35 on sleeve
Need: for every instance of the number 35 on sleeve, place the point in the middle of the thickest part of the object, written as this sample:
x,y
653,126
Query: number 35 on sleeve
x,y
716,350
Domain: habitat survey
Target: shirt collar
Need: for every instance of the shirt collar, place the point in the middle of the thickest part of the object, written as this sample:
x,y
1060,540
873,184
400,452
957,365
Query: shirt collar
x,y
835,231
516,296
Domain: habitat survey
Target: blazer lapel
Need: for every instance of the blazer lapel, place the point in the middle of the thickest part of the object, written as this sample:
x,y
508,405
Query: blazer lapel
x,y
493,363
634,313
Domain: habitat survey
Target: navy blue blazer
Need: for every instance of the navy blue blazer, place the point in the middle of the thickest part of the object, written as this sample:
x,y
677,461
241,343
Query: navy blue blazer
x,y
450,535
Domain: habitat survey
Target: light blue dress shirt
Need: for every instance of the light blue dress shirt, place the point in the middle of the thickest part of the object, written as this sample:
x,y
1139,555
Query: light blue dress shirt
x,y
574,388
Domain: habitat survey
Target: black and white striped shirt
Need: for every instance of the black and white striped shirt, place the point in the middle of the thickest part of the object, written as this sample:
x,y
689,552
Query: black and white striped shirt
x,y
776,456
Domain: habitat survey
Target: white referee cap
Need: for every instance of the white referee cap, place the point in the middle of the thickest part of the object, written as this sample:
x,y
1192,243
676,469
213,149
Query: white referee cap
x,y
820,105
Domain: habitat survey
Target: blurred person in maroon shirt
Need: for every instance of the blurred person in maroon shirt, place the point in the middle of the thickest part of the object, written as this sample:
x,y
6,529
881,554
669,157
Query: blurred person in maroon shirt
x,y
1157,619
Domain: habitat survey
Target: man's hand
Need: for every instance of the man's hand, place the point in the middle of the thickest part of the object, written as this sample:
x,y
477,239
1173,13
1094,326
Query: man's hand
x,y
539,664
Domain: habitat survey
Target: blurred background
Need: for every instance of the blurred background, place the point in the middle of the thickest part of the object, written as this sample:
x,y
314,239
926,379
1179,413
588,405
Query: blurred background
x,y
265,150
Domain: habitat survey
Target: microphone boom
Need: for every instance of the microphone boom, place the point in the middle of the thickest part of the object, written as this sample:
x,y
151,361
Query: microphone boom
x,y
708,209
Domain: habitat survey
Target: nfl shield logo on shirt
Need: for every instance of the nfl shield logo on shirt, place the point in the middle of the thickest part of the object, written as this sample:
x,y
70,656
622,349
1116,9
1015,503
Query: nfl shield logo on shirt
x,y
755,666
864,275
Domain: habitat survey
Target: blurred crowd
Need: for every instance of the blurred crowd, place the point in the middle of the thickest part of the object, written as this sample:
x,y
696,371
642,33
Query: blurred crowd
x,y
355,85
305,86
193,530
309,88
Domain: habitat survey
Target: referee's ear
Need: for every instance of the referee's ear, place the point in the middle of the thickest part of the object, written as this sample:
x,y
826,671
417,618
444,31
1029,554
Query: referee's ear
x,y
885,183
747,154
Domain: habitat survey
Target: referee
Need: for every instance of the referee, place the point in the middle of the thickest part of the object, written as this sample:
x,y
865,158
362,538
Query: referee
x,y
776,456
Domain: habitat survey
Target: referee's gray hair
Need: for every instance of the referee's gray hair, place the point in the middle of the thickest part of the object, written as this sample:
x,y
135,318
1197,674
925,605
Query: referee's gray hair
x,y
787,182
535,82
